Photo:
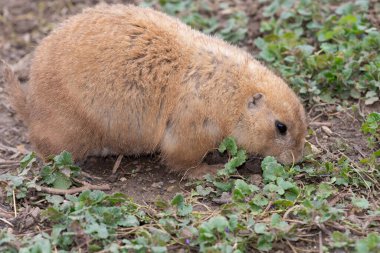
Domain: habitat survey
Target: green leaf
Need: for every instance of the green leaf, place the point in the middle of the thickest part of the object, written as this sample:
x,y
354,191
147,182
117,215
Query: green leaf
x,y
178,200
219,223
260,43
224,187
243,190
98,229
228,144
61,181
16,180
284,184
306,49
159,249
267,55
325,190
360,202
63,159
28,160
369,244
160,236
339,239
182,208
185,210
203,191
54,199
260,228
40,245
277,222
260,200
48,177
264,242
325,35
272,169
53,214
129,221
283,203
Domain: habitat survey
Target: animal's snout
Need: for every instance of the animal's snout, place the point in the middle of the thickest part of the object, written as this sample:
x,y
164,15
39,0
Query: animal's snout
x,y
291,156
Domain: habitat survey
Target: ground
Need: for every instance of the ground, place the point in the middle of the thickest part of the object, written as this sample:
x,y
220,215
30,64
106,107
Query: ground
x,y
22,26
27,23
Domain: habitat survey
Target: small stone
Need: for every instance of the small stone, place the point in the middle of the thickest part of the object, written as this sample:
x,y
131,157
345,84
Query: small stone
x,y
157,185
314,149
123,179
170,188
327,130
172,181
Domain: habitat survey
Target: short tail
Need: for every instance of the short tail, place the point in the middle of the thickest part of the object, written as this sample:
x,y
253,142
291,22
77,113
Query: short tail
x,y
16,94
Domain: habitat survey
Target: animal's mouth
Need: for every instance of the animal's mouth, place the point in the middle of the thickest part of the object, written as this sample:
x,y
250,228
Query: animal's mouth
x,y
290,157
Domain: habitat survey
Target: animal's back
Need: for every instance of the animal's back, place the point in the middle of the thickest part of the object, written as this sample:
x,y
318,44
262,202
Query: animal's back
x,y
131,80
116,68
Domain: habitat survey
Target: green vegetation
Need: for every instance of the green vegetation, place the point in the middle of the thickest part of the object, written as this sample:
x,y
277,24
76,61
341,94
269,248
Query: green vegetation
x,y
282,209
325,54
372,127
202,15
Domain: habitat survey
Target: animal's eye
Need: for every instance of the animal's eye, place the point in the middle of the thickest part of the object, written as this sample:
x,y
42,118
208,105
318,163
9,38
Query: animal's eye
x,y
281,127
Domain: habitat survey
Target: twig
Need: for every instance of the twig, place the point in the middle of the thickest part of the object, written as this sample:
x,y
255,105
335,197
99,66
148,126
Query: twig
x,y
117,164
317,124
80,182
268,207
338,197
14,202
10,165
323,228
291,246
8,162
344,228
89,175
320,242
289,211
316,117
103,187
5,214
7,222
7,148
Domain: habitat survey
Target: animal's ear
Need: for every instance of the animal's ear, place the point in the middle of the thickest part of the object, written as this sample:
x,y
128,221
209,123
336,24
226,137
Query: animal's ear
x,y
255,100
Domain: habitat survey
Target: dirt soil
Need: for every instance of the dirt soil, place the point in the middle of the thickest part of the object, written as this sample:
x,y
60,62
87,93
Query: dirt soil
x,y
24,23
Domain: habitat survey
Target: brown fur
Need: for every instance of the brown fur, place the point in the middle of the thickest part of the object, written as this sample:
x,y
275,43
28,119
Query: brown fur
x,y
129,80
13,87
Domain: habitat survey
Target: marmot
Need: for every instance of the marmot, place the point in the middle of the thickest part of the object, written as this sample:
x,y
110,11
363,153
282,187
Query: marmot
x,y
120,79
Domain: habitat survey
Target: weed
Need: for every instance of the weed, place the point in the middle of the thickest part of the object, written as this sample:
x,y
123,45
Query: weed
x,y
324,54
201,16
372,127
250,217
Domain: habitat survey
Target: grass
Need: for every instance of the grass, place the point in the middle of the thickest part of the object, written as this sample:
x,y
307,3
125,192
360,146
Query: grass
x,y
326,55
289,206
